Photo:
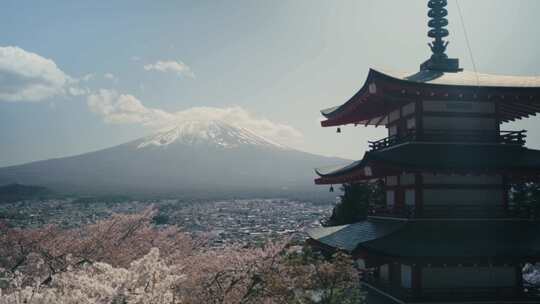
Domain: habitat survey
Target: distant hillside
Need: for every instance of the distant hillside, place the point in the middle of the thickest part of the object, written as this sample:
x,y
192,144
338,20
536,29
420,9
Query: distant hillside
x,y
15,192
201,159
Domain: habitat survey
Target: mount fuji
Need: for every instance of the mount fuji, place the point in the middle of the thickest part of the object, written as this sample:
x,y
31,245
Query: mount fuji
x,y
200,158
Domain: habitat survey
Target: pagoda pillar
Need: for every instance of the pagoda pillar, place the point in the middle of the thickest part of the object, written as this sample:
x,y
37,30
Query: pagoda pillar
x,y
419,109
416,281
505,193
419,194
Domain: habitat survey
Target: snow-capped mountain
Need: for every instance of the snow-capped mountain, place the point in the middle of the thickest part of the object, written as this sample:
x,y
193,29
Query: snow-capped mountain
x,y
209,132
195,158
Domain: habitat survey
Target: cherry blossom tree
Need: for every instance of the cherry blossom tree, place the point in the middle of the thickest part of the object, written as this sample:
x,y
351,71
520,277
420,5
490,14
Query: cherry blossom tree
x,y
125,259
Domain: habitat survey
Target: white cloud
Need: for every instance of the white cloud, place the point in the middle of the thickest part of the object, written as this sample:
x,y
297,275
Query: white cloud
x,y
239,117
178,67
110,76
88,77
135,58
77,91
125,108
26,76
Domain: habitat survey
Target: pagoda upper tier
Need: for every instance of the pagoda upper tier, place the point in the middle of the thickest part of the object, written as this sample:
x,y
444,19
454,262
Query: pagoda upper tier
x,y
517,96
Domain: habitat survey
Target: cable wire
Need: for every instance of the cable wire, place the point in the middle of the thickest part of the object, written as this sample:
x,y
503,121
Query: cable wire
x,y
468,42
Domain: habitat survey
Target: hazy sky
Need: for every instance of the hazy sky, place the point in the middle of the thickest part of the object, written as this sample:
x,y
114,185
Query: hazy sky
x,y
77,76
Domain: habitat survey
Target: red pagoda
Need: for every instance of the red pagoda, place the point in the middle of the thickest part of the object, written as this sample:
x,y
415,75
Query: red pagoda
x,y
448,232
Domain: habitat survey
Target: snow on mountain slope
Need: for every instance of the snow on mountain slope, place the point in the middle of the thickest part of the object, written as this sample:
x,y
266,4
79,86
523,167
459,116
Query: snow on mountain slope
x,y
209,132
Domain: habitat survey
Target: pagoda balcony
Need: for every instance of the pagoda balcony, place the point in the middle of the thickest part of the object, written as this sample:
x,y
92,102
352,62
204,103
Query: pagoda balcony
x,y
461,136
429,295
458,211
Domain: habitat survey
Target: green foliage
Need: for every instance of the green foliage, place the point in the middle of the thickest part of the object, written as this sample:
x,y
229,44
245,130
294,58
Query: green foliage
x,y
526,196
355,203
160,219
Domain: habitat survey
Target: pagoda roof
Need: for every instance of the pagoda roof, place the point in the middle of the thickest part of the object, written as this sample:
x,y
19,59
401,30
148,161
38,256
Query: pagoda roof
x,y
436,157
347,237
385,91
466,78
435,238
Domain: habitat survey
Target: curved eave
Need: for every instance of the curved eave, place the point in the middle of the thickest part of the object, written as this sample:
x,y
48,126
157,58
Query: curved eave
x,y
342,115
519,97
463,239
357,171
517,162
349,237
339,170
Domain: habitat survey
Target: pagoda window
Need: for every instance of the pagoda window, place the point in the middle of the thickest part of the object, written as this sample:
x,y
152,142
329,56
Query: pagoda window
x,y
390,198
406,276
410,197
384,273
467,277
438,179
408,109
391,180
459,107
407,179
411,123
459,123
449,197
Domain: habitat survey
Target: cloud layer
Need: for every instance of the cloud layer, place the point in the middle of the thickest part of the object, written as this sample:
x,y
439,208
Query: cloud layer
x,y
124,108
178,67
241,118
26,76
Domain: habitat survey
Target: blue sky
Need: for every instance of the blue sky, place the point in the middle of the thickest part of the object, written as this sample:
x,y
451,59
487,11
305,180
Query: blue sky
x,y
271,64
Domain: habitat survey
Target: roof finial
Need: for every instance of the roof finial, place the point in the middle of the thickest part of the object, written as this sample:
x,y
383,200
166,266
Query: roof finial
x,y
438,25
439,61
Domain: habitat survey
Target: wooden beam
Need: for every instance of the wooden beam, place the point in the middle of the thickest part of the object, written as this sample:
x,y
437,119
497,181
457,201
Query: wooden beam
x,y
368,122
525,105
517,108
380,120
514,112
509,116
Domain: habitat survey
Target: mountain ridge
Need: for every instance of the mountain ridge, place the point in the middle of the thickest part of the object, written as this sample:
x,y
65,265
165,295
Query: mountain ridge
x,y
210,131
194,159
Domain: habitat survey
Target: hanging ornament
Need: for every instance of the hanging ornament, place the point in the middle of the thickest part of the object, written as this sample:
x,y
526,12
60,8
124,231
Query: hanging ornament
x,y
332,188
338,130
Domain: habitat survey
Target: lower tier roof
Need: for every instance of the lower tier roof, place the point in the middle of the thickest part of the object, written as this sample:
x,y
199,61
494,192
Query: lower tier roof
x,y
435,239
437,157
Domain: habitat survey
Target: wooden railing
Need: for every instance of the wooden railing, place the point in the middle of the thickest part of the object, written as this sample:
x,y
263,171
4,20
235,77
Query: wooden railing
x,y
458,211
473,136
399,292
450,294
513,137
392,140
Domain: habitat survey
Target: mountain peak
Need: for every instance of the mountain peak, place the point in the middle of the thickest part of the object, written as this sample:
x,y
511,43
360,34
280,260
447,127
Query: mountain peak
x,y
216,133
